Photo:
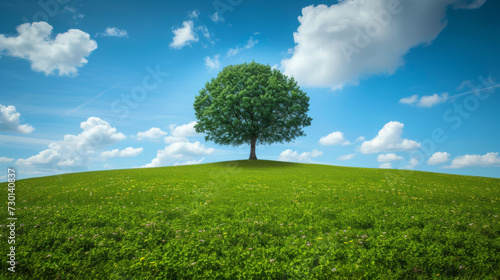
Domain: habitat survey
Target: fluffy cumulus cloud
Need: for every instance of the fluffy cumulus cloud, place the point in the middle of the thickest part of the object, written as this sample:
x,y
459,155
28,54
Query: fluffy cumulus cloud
x,y
346,157
212,63
152,133
6,160
344,42
64,53
334,138
185,130
389,139
10,120
74,151
388,157
438,158
290,155
425,101
114,32
184,35
127,152
487,160
179,151
179,133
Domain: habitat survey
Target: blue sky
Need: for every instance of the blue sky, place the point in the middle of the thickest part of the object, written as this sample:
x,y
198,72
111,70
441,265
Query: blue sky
x,y
90,85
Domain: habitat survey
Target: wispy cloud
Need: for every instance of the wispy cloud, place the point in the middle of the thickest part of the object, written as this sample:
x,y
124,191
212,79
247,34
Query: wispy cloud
x,y
113,32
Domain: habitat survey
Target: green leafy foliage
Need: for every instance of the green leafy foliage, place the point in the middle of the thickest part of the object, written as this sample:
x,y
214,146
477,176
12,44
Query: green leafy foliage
x,y
248,101
255,220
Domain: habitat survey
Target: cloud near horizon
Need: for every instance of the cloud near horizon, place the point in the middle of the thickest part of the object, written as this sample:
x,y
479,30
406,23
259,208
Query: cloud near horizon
x,y
438,158
74,151
290,155
487,160
179,151
389,140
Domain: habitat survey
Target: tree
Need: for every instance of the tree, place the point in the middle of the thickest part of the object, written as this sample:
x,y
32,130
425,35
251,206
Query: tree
x,y
250,104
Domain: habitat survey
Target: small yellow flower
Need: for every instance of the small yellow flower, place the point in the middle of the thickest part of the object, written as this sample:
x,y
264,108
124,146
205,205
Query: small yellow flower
x,y
142,259
320,237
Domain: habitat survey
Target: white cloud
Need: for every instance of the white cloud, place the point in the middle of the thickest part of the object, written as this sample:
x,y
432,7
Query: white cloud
x,y
248,45
127,152
388,139
216,18
64,53
179,151
289,155
194,14
388,157
334,138
350,40
487,160
9,120
409,100
386,165
74,151
432,100
438,157
425,101
152,133
114,32
412,163
190,162
184,35
212,63
5,160
185,130
181,132
346,157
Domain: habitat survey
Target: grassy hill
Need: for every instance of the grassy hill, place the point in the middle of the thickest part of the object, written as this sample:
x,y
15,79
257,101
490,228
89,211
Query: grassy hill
x,y
255,220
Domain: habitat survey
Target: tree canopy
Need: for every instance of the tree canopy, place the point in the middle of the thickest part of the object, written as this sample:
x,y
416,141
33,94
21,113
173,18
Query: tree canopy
x,y
251,103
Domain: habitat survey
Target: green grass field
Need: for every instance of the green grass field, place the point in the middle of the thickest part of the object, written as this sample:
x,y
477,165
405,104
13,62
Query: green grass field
x,y
255,220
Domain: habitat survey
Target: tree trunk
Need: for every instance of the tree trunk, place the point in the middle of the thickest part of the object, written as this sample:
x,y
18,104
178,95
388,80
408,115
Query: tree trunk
x,y
252,148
